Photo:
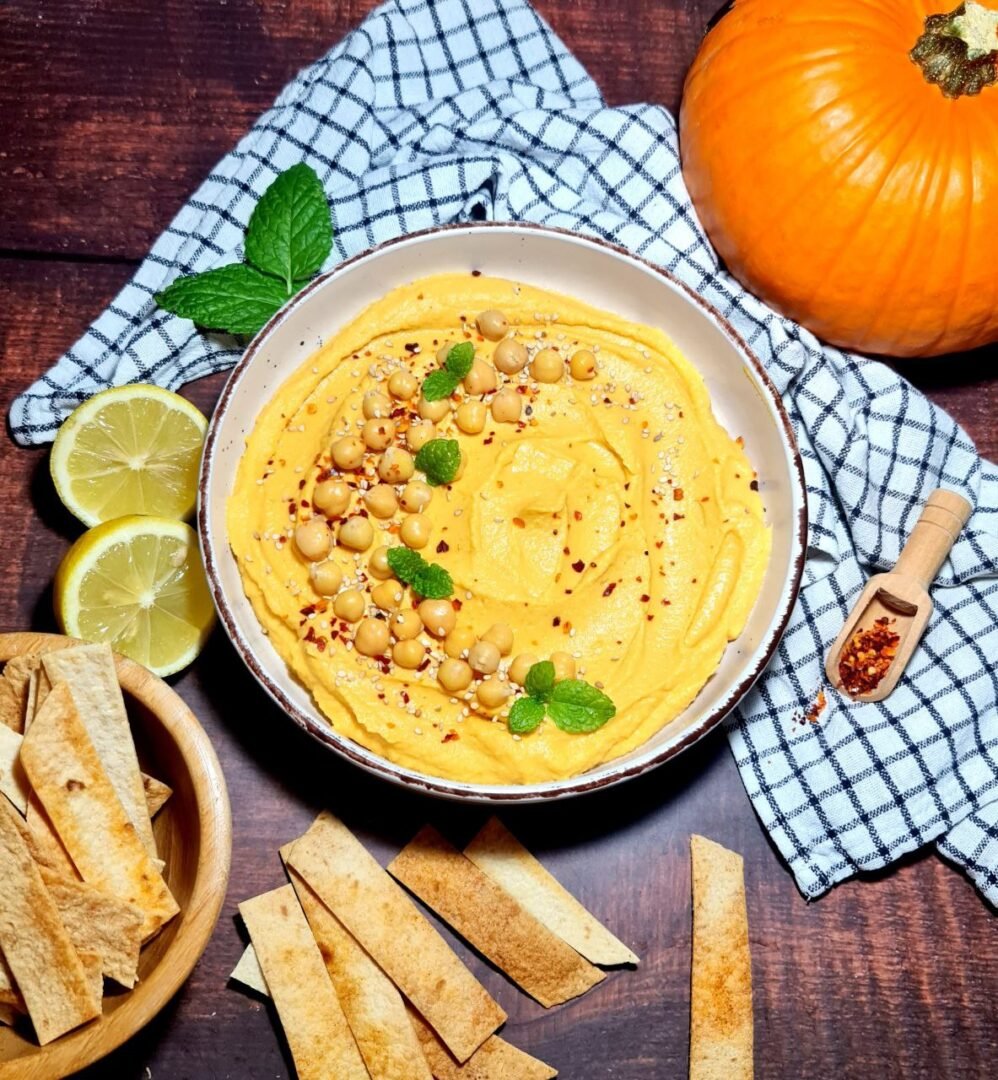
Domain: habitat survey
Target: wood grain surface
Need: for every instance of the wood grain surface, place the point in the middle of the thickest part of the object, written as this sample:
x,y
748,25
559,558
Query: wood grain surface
x,y
112,113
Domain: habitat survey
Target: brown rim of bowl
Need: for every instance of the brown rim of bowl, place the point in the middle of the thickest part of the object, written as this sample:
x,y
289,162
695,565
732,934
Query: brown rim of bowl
x,y
498,793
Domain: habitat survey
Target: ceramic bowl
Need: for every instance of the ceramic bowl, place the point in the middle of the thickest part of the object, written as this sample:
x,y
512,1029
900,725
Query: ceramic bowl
x,y
607,277
193,837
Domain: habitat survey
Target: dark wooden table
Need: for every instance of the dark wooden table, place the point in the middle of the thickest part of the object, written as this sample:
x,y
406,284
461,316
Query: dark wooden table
x,y
112,114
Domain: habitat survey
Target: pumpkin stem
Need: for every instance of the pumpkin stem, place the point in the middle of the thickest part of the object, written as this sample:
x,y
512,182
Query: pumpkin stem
x,y
959,51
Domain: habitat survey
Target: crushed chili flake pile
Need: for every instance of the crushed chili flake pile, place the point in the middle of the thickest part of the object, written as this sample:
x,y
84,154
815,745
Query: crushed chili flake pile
x,y
813,711
867,655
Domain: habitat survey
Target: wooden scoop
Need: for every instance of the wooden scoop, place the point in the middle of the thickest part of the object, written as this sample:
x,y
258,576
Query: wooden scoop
x,y
902,596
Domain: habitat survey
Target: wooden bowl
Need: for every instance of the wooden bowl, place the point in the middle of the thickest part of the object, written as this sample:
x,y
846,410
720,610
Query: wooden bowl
x,y
194,836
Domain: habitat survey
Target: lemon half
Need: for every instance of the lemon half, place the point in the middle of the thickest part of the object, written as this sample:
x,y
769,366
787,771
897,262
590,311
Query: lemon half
x,y
137,583
129,450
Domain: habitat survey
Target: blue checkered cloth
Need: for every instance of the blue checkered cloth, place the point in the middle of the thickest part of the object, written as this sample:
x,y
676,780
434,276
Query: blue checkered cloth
x,y
434,112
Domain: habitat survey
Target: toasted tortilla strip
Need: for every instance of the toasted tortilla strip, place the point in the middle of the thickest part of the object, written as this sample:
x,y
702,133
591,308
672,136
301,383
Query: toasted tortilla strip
x,y
49,974
17,674
156,792
11,711
492,920
13,782
99,923
498,853
721,995
373,1007
495,1059
76,793
90,674
249,973
93,968
38,690
9,994
379,915
316,1029
46,847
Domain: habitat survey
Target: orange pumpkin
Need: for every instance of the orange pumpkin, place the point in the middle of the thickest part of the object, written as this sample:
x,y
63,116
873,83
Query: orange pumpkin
x,y
843,158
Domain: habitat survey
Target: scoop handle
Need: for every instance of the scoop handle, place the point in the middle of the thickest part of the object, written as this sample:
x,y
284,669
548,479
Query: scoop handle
x,y
943,517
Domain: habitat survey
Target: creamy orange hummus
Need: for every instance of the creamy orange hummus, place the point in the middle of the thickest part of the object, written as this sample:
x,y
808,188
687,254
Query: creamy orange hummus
x,y
617,521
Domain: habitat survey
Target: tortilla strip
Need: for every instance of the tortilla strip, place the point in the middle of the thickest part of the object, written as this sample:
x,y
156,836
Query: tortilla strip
x,y
93,968
156,794
495,1059
39,687
17,674
13,782
41,957
46,847
249,973
66,774
498,853
373,1007
9,993
379,915
90,674
11,712
494,922
97,922
316,1029
721,995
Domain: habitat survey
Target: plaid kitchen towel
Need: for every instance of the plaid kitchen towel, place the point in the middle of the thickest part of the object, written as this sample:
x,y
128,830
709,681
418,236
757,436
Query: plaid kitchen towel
x,y
441,111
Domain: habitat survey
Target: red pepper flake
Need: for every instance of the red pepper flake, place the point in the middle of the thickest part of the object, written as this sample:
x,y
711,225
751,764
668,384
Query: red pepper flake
x,y
609,589
450,736
311,408
301,484
578,566
489,441
412,347
645,598
456,604
424,665
519,523
292,507
577,515
476,273
677,494
678,517
867,655
442,547
754,485
556,621
659,543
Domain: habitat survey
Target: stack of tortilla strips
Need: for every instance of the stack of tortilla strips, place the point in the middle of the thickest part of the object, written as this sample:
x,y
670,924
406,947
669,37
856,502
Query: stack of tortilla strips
x,y
366,988
81,888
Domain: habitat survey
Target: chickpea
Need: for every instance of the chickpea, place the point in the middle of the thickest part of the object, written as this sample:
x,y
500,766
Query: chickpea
x,y
371,638
433,410
510,356
454,675
501,636
484,657
470,417
420,434
313,539
349,605
408,653
443,351
438,617
356,533
376,405
332,497
415,531
381,500
326,577
402,385
378,564
348,452
481,379
506,406
564,666
378,434
395,466
492,693
405,624
459,641
388,595
547,366
520,666
416,496
492,324
582,365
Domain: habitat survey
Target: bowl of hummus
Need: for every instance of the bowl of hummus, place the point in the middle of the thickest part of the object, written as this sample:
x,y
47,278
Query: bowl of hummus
x,y
500,512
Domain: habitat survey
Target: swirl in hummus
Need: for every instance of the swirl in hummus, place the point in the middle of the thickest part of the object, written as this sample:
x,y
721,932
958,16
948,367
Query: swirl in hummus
x,y
612,524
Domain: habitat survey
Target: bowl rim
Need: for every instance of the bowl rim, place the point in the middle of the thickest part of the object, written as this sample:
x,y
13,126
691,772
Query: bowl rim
x,y
85,1045
499,794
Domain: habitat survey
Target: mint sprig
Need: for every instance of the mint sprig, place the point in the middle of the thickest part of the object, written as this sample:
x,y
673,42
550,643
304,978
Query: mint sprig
x,y
439,460
429,580
443,382
289,236
574,705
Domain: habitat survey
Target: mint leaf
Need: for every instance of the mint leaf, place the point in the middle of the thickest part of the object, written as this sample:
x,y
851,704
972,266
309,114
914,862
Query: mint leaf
x,y
237,299
439,460
460,358
439,384
540,680
577,707
290,232
525,715
405,563
433,582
